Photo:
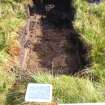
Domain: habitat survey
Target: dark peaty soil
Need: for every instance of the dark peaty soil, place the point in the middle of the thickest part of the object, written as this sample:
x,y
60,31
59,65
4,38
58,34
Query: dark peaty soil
x,y
50,42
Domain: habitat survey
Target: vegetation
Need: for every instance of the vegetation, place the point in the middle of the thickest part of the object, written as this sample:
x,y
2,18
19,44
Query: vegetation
x,y
89,22
11,18
69,89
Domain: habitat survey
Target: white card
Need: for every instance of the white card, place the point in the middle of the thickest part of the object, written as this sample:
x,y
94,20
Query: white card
x,y
38,93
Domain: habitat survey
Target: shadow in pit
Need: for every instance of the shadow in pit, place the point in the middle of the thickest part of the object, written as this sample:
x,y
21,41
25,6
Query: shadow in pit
x,y
60,48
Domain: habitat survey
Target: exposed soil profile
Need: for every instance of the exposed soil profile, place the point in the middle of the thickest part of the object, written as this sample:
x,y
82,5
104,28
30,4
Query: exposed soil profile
x,y
50,42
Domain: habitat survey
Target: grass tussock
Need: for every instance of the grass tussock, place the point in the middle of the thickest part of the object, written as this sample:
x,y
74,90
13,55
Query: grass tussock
x,y
69,89
90,20
12,16
66,89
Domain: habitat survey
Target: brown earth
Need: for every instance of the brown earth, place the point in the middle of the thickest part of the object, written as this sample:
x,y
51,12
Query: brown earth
x,y
48,48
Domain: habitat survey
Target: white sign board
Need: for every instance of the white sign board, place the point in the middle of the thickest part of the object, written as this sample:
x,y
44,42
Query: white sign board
x,y
38,93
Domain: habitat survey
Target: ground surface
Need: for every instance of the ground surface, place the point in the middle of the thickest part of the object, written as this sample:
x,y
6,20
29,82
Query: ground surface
x,y
89,23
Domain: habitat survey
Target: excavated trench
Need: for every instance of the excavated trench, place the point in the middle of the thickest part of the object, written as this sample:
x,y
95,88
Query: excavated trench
x,y
50,42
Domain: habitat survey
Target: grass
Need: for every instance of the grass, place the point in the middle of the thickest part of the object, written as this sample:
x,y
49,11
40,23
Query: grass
x,y
69,89
66,89
89,22
5,83
11,18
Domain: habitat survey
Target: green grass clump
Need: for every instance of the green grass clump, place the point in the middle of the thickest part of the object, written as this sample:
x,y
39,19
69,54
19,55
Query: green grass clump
x,y
90,23
69,89
66,89
12,16
6,82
